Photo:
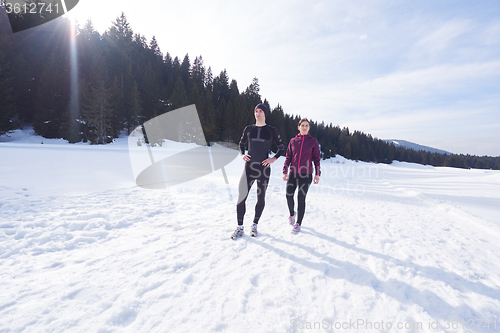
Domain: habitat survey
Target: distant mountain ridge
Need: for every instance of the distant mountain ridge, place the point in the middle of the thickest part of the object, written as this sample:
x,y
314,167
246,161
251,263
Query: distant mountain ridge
x,y
416,147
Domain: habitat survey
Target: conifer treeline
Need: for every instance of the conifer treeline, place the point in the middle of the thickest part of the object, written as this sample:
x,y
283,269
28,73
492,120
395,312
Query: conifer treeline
x,y
125,80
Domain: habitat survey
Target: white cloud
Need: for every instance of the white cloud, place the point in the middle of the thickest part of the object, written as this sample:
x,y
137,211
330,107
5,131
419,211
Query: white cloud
x,y
442,37
490,35
446,84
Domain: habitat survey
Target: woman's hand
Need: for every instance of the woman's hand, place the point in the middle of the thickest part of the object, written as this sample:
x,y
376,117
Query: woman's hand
x,y
246,158
269,161
285,177
316,179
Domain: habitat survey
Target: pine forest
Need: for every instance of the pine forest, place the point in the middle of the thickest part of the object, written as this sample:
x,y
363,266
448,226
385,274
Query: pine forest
x,y
123,80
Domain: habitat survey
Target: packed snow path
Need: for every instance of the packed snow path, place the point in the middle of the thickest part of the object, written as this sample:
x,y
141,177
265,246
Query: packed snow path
x,y
398,247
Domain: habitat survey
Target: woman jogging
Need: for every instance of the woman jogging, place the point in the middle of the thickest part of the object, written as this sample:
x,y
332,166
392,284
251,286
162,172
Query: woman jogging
x,y
257,166
302,151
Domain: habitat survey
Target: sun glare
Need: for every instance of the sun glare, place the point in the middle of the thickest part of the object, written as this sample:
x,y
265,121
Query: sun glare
x,y
71,15
74,104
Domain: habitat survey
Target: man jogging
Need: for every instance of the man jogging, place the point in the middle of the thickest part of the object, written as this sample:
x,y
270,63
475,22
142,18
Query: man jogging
x,y
258,137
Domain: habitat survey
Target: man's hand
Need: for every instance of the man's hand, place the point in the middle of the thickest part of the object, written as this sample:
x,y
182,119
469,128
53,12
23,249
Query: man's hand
x,y
246,158
285,177
316,179
269,161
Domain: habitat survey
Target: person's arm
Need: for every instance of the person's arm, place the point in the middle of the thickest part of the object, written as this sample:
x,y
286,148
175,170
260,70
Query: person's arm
x,y
243,142
288,160
281,147
316,156
279,143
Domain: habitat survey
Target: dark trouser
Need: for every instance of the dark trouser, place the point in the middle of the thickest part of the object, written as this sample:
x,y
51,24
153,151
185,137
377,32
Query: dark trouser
x,y
254,171
302,181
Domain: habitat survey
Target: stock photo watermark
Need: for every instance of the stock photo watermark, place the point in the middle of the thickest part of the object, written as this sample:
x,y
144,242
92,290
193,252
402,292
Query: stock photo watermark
x,y
171,149
364,325
27,14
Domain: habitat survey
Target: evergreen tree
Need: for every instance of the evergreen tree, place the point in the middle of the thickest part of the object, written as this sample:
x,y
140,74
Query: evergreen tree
x,y
209,80
277,119
290,128
88,41
467,162
233,91
242,110
195,96
167,73
343,142
7,102
198,73
151,93
125,112
8,105
207,117
140,55
97,114
253,93
97,103
52,98
174,72
185,71
24,84
496,165
230,124
153,46
480,164
221,88
117,106
453,161
136,113
179,96
30,53
140,41
121,31
118,47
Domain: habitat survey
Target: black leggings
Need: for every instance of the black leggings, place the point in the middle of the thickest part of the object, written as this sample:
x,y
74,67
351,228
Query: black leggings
x,y
254,171
302,181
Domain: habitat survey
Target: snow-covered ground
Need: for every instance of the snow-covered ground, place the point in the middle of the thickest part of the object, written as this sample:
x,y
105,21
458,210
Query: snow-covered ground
x,y
401,247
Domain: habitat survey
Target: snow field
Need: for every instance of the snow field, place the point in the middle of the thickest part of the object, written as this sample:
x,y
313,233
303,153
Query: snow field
x,y
84,249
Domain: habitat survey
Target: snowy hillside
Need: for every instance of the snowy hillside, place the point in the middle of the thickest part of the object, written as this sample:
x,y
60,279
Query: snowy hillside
x,y
400,248
417,147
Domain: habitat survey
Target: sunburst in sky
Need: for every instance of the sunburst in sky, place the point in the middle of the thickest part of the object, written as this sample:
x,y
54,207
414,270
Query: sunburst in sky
x,y
424,71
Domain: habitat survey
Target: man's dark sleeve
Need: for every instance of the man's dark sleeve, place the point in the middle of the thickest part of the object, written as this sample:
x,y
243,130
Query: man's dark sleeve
x,y
288,158
243,141
279,143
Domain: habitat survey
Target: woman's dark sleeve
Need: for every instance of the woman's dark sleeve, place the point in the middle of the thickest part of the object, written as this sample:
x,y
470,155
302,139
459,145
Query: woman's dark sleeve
x,y
316,158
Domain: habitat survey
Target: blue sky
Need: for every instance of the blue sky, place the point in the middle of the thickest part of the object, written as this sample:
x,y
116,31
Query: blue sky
x,y
422,71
